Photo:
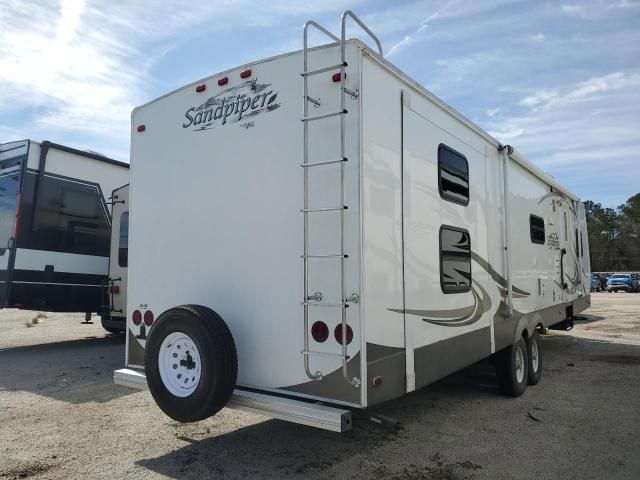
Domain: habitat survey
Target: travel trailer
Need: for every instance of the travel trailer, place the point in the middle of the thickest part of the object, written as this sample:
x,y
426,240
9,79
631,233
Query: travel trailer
x,y
316,232
55,226
115,312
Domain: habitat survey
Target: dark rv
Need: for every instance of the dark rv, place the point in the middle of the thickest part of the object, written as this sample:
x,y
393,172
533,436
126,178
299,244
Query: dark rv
x,y
55,226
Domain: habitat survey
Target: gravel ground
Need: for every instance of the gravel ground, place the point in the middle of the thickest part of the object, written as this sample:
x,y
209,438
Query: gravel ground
x,y
61,416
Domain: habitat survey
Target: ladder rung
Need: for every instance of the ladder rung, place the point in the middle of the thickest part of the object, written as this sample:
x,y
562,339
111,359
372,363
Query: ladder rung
x,y
330,305
311,352
337,255
328,162
324,69
326,115
326,209
315,101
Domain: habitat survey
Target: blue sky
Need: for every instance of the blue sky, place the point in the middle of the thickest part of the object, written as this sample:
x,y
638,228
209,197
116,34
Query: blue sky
x,y
558,80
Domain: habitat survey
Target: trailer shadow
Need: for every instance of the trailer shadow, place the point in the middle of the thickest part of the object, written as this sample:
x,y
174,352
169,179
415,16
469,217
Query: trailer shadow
x,y
73,371
277,449
585,318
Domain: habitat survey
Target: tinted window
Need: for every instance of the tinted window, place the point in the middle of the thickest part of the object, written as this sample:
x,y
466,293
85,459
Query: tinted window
x,y
453,175
123,244
536,229
455,260
10,173
68,217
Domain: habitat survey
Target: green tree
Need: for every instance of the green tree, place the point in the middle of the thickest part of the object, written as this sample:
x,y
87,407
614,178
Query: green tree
x,y
614,235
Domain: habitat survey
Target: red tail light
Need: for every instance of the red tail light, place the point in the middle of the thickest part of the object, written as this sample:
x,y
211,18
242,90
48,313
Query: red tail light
x,y
114,289
14,233
320,331
136,317
245,73
336,77
148,318
338,334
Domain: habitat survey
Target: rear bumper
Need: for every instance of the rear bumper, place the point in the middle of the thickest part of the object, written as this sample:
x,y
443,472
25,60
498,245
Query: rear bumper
x,y
296,411
130,378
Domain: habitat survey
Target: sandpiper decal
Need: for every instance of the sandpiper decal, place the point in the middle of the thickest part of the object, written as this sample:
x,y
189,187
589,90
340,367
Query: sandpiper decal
x,y
242,102
553,241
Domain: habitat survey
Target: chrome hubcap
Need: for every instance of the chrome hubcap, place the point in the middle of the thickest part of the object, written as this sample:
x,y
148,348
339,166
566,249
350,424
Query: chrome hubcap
x,y
534,355
519,364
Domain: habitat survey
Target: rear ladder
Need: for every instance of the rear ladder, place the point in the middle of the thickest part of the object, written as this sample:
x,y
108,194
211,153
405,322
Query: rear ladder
x,y
315,300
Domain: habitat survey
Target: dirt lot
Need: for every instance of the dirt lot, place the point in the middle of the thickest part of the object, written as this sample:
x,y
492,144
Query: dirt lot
x,y
62,417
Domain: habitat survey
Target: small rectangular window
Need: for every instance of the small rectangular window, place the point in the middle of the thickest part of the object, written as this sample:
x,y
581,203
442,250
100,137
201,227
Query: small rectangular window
x,y
453,175
536,229
455,260
123,245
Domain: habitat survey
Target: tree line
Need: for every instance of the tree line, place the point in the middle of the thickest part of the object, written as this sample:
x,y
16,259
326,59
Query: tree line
x,y
614,236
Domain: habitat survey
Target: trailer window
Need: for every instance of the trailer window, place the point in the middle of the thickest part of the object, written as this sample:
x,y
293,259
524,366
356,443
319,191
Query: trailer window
x,y
455,260
68,216
536,229
453,175
123,244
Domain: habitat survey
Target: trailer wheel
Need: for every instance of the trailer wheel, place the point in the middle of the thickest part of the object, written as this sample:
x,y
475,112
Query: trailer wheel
x,y
534,357
191,363
512,369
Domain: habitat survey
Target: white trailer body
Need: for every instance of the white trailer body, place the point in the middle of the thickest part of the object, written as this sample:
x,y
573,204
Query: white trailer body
x,y
419,271
55,226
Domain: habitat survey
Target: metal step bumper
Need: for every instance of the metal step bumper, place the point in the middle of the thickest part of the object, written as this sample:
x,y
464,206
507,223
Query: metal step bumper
x,y
296,411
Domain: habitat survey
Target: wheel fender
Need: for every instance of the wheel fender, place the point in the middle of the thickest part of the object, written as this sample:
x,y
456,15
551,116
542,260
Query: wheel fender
x,y
527,323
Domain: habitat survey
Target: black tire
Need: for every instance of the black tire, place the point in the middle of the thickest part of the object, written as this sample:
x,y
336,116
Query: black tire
x,y
108,326
114,331
533,348
506,369
218,357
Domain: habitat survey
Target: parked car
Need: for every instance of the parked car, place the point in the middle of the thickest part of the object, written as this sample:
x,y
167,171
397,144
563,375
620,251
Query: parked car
x,y
604,277
622,281
595,282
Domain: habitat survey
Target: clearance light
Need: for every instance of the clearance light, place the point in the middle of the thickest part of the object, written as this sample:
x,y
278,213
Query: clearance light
x,y
245,73
320,331
338,334
136,317
114,289
201,88
141,128
223,81
336,77
148,318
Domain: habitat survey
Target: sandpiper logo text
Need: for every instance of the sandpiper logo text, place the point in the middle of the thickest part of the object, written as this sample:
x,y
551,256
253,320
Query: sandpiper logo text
x,y
232,105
